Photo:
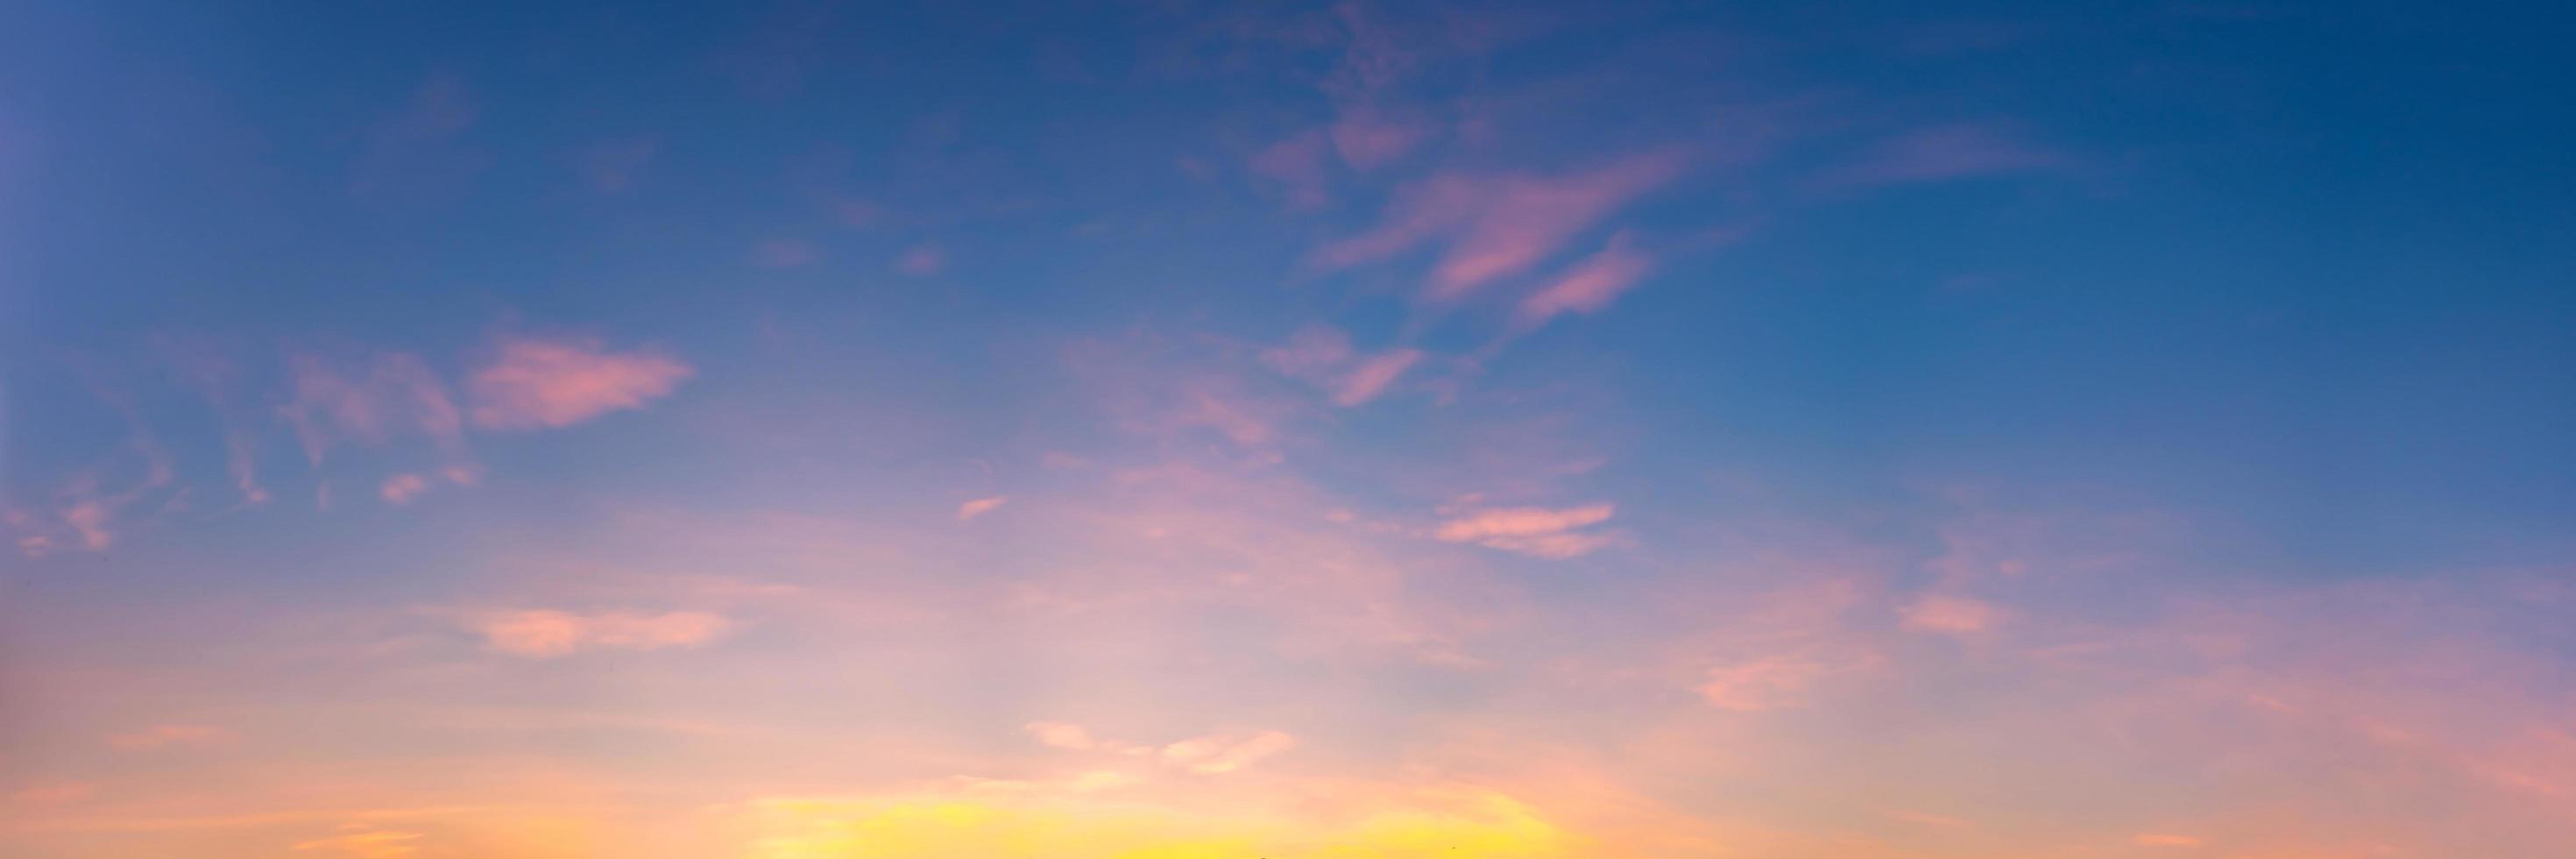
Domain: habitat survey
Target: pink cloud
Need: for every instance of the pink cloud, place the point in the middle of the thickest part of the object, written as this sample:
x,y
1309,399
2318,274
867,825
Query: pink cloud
x,y
1297,165
1558,546
535,383
239,463
1589,286
1764,683
370,402
541,633
1781,679
1366,139
1535,531
1520,522
980,506
1240,421
1951,614
89,518
1372,376
1174,391
218,379
1496,226
1321,355
922,261
1217,754
96,499
1061,735
401,488
1314,352
1954,151
2153,839
161,736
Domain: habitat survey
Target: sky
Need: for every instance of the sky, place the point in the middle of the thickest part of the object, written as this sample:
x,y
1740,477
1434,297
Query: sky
x,y
1370,429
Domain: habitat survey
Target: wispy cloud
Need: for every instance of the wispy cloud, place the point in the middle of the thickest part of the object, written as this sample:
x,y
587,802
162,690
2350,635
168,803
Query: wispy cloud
x,y
1952,614
1062,735
1224,754
542,633
1314,352
1373,375
401,488
1762,683
1207,755
532,383
1321,355
922,261
1588,286
88,518
219,380
2160,839
97,501
980,506
1493,226
1297,165
1367,138
161,736
1175,391
370,400
1540,531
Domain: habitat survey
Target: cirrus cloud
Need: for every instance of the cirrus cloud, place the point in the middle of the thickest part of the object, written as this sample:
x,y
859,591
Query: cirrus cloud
x,y
370,401
1589,286
1952,614
161,736
1495,226
1216,754
1536,531
980,506
536,383
544,633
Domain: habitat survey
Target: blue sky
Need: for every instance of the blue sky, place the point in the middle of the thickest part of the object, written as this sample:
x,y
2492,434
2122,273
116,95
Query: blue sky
x,y
1310,397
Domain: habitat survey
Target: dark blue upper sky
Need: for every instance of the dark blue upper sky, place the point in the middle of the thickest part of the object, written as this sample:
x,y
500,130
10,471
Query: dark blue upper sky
x,y
2307,264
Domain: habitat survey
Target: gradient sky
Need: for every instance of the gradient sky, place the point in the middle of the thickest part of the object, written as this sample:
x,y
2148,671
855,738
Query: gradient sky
x,y
1183,429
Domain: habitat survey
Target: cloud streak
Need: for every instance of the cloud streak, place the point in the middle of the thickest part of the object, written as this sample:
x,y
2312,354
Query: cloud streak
x,y
166,736
371,400
532,383
1494,226
1588,285
1539,531
546,633
1212,755
980,506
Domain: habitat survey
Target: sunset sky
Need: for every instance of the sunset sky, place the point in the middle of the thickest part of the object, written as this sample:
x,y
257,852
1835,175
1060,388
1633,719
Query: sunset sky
x,y
1382,429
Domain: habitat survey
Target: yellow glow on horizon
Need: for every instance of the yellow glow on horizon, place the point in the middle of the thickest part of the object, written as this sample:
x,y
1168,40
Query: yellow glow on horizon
x,y
1485,827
